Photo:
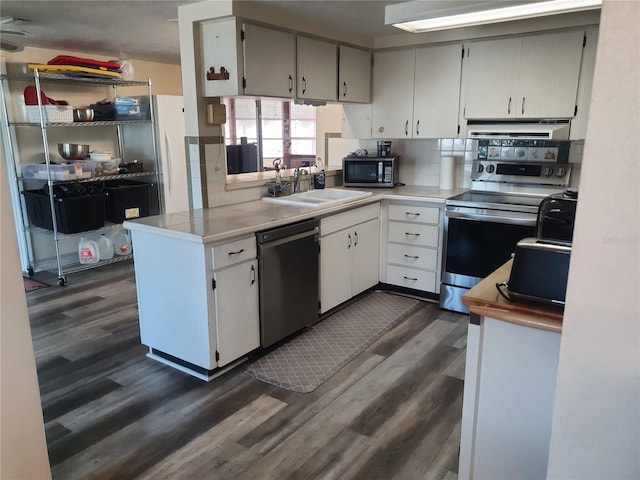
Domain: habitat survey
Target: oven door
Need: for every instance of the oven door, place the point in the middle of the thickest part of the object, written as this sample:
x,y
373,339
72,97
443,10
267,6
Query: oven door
x,y
477,242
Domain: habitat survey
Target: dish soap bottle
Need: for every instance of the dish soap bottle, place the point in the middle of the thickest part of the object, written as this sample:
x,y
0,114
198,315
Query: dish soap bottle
x,y
319,178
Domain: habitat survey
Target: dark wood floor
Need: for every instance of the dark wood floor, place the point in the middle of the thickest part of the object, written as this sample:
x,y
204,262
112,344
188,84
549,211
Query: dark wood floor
x,y
110,412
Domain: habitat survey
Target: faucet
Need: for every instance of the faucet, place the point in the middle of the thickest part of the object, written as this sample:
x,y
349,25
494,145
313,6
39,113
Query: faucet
x,y
296,178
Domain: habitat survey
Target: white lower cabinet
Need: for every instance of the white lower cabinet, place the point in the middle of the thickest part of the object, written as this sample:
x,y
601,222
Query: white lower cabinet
x,y
197,303
349,255
411,256
236,311
509,391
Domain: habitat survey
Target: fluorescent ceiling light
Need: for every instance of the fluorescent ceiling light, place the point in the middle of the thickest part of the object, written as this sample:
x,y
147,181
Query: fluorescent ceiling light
x,y
465,14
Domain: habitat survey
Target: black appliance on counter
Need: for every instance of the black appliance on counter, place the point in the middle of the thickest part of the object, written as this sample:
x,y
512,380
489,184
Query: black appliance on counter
x,y
370,171
541,265
242,158
556,217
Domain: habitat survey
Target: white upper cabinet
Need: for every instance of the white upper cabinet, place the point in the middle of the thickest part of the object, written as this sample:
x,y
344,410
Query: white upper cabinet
x,y
269,61
222,49
416,92
527,77
437,91
248,59
393,94
354,82
256,60
492,78
579,123
317,69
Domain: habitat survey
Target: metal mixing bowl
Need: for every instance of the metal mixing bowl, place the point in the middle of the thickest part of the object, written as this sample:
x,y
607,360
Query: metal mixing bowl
x,y
73,151
83,114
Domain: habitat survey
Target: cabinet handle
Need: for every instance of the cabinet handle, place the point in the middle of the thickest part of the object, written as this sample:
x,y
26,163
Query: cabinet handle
x,y
290,84
236,253
356,235
413,234
406,127
411,213
344,89
304,85
349,241
409,278
415,257
418,128
509,107
523,99
253,273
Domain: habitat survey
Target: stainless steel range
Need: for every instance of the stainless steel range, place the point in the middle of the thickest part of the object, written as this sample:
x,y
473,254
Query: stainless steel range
x,y
482,227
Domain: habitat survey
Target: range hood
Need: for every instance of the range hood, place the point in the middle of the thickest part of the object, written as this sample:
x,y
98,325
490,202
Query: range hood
x,y
547,130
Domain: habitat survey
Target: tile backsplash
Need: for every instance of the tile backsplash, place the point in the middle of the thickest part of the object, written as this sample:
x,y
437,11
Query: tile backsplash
x,y
419,159
419,165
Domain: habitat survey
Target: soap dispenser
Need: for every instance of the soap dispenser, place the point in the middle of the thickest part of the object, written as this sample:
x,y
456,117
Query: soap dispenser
x,y
319,178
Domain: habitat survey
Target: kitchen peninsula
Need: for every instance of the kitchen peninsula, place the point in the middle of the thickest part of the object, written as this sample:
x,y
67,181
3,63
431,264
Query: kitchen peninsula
x,y
510,381
197,273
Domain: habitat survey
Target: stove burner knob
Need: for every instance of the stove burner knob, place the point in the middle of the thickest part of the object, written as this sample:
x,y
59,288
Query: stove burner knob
x,y
490,168
547,171
480,168
561,172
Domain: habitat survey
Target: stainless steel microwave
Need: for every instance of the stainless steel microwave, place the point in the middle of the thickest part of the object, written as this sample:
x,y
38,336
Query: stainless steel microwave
x,y
369,171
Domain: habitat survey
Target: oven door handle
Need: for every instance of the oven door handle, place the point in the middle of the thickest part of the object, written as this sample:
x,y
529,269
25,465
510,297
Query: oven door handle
x,y
526,221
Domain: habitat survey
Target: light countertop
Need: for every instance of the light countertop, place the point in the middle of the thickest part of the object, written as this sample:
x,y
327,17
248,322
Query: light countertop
x,y
229,221
484,300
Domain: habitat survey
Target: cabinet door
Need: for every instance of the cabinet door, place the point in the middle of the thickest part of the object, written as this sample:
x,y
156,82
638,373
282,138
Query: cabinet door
x,y
269,58
335,269
221,48
549,72
237,322
585,83
354,84
492,78
437,91
365,256
317,69
393,94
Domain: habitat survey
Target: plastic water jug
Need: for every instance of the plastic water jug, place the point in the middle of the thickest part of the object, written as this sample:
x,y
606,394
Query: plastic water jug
x,y
105,247
88,251
122,243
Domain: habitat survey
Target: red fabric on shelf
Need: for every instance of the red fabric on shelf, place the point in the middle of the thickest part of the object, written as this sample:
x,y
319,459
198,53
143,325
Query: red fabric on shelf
x,y
31,97
85,62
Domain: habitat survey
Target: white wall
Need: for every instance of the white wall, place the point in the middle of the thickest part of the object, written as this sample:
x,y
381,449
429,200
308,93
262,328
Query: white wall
x,y
23,449
596,426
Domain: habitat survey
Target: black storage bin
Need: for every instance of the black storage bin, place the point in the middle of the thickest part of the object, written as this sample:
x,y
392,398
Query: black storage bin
x,y
126,200
74,213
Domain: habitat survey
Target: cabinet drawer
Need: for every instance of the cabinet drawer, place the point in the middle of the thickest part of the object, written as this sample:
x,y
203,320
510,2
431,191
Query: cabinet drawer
x,y
414,234
349,218
416,257
408,213
411,278
234,252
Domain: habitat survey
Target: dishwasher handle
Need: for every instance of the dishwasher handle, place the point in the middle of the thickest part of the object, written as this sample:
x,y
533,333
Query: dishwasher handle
x,y
290,238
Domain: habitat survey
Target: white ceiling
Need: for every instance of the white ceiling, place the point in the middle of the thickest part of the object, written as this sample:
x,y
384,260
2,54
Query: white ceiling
x,y
148,30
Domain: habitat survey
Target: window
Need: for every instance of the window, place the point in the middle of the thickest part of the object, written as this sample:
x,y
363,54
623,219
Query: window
x,y
285,130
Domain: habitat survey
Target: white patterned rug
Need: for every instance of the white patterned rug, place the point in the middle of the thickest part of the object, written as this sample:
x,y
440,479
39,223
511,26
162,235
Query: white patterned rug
x,y
307,361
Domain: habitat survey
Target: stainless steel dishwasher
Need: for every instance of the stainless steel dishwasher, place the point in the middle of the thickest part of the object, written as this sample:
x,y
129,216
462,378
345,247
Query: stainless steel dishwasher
x,y
288,268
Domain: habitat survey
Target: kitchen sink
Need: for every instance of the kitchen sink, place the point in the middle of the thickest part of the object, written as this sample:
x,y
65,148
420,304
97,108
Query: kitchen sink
x,y
319,198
